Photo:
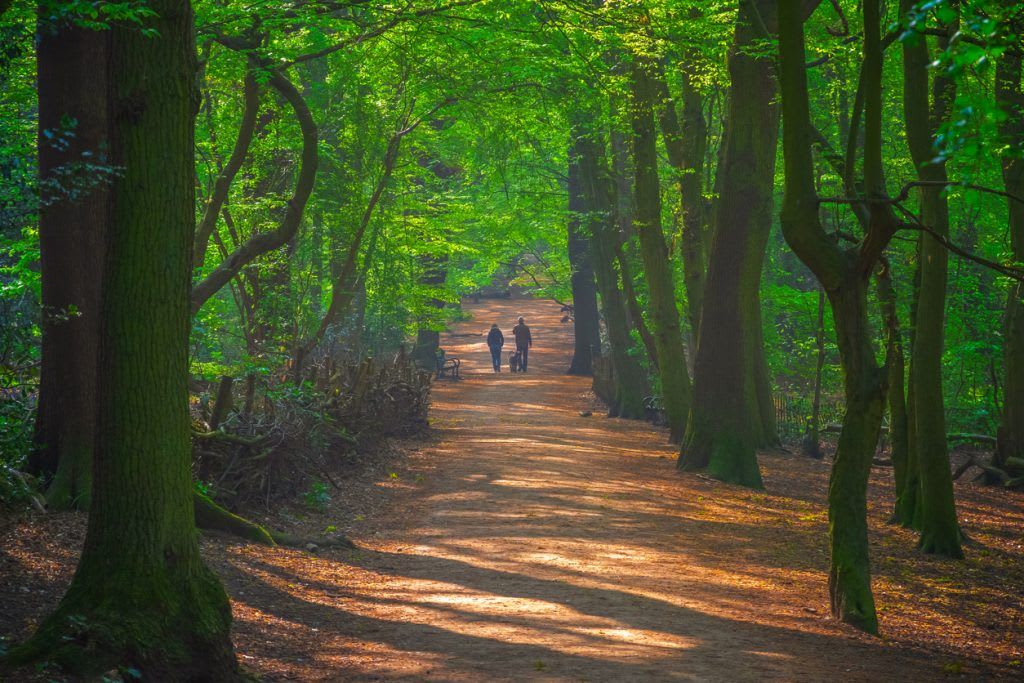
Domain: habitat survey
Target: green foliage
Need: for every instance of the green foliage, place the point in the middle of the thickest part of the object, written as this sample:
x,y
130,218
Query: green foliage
x,y
317,498
481,96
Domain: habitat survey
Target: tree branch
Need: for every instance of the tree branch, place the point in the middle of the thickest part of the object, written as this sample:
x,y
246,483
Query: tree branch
x,y
1009,271
260,244
251,98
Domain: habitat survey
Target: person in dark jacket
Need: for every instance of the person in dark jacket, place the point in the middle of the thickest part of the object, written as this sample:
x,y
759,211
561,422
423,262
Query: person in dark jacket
x,y
523,342
495,340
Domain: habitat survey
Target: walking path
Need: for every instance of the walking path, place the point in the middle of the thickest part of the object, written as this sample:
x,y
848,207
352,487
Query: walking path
x,y
533,543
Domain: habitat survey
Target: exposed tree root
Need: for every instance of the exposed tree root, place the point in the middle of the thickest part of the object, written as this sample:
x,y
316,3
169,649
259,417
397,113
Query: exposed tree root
x,y
213,517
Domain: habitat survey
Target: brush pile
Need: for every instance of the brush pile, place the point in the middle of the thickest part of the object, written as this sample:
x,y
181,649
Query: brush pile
x,y
272,448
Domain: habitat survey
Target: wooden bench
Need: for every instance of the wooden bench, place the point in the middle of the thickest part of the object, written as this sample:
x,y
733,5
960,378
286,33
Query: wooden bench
x,y
447,366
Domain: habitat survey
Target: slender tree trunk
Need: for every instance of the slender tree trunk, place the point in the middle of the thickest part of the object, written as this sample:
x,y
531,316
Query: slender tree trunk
x,y
664,315
908,511
629,385
896,399
865,389
428,340
141,595
940,532
584,288
222,185
342,287
633,305
72,71
769,434
844,274
686,145
812,439
1011,100
726,421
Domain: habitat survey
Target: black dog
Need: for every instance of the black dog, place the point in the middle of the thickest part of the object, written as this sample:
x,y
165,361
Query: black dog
x,y
515,361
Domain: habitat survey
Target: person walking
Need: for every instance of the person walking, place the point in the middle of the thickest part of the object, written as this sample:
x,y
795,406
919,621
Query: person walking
x,y
495,340
523,342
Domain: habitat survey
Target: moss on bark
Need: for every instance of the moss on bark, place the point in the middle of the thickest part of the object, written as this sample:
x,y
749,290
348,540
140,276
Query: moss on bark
x,y
141,596
732,414
664,313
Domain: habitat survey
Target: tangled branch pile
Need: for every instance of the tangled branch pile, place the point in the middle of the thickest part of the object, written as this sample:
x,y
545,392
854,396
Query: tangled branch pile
x,y
306,432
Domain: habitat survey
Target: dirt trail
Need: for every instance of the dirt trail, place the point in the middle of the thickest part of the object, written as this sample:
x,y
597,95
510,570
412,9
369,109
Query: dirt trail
x,y
533,543
526,542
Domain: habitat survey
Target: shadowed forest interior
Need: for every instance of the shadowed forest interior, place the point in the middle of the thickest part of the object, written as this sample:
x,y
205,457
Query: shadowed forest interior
x,y
471,340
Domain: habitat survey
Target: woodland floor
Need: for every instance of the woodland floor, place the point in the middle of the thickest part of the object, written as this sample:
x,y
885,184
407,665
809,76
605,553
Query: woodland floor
x,y
524,541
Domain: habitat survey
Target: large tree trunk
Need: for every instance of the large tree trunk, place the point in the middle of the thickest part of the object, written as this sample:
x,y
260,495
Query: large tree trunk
x,y
664,315
1011,100
72,69
584,288
141,596
726,423
940,532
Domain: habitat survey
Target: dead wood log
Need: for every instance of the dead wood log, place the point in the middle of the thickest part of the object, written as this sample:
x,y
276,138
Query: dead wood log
x,y
959,472
228,437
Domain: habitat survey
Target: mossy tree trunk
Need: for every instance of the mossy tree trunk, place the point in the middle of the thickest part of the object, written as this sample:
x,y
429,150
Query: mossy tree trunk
x,y
726,423
899,443
1011,100
940,532
636,311
597,192
812,437
72,68
587,335
141,596
664,314
844,273
685,145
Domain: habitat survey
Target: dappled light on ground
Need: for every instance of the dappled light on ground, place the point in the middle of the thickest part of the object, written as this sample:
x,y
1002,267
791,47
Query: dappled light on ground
x,y
527,541
539,543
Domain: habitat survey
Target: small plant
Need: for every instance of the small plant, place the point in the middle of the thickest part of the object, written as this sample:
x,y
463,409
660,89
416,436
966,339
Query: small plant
x,y
317,498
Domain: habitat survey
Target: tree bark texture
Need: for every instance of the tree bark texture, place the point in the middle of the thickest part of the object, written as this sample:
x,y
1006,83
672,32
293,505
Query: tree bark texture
x,y
74,212
726,425
141,596
1011,100
940,532
587,336
664,315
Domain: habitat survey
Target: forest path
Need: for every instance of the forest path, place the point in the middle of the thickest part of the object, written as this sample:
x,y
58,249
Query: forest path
x,y
532,543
